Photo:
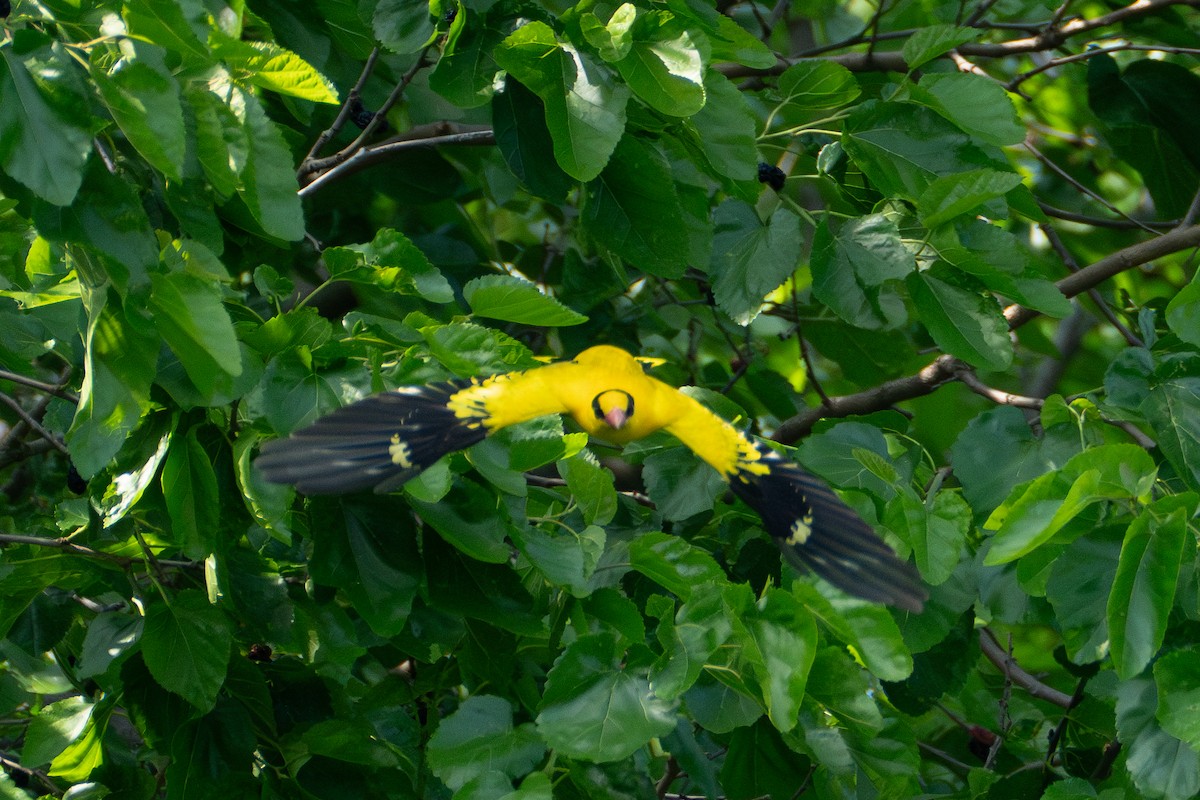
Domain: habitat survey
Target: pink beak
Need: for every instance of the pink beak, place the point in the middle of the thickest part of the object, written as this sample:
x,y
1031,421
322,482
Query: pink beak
x,y
616,418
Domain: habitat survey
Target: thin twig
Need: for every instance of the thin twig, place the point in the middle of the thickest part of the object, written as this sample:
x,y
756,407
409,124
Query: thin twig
x,y
34,424
1072,265
969,379
1079,187
1102,222
352,149
1003,662
67,545
368,156
343,113
49,388
941,370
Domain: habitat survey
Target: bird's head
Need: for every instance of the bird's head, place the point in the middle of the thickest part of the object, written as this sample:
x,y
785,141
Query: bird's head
x,y
614,407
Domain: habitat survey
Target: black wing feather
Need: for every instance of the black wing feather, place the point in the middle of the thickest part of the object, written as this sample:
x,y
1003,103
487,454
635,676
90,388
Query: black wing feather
x,y
377,443
816,530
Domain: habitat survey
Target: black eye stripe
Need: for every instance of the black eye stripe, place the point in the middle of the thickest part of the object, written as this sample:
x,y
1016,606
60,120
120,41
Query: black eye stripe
x,y
600,412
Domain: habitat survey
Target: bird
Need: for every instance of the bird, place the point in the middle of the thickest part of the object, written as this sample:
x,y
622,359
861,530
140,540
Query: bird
x,y
384,440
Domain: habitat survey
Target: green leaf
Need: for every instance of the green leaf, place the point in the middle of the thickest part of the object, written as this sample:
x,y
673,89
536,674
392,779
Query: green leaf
x,y
932,41
211,756
592,487
403,26
192,319
852,267
689,639
268,185
1148,118
109,218
732,42
664,67
936,533
110,638
54,728
612,39
903,148
974,103
466,72
40,144
595,710
519,122
186,647
1143,591
277,69
369,551
750,258
470,519
867,628
844,690
479,737
120,364
222,144
585,107
177,25
145,101
489,592
955,195
816,85
1036,511
680,484
390,262
566,559
1183,313
1077,589
512,299
725,128
1173,411
672,563
962,322
997,451
633,210
1160,764
189,486
1177,676
778,638
759,763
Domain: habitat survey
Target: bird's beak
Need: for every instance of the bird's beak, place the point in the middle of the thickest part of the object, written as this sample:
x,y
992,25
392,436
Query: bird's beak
x,y
616,418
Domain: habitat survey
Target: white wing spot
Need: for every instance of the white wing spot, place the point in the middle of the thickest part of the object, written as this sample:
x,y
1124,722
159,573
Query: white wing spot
x,y
801,529
400,452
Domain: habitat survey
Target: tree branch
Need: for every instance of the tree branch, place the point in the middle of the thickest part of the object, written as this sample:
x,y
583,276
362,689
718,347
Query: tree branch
x,y
996,654
943,369
368,156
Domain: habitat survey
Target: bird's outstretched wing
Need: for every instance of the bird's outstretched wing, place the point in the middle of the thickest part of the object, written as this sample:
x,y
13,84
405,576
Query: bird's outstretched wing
x,y
377,443
384,440
812,525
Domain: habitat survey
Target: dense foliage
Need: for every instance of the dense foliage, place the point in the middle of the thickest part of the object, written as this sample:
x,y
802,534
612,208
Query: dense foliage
x,y
946,250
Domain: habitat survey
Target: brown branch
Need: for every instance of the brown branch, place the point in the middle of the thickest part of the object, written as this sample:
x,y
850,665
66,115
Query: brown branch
x,y
882,396
375,154
33,424
942,369
1101,222
997,655
66,545
312,166
49,388
1114,264
342,117
1046,39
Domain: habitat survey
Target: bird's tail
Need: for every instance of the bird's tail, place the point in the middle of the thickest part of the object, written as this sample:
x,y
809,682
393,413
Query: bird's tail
x,y
377,443
815,529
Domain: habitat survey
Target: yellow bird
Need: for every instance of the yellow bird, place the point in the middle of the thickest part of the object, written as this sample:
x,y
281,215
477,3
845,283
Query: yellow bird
x,y
386,439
